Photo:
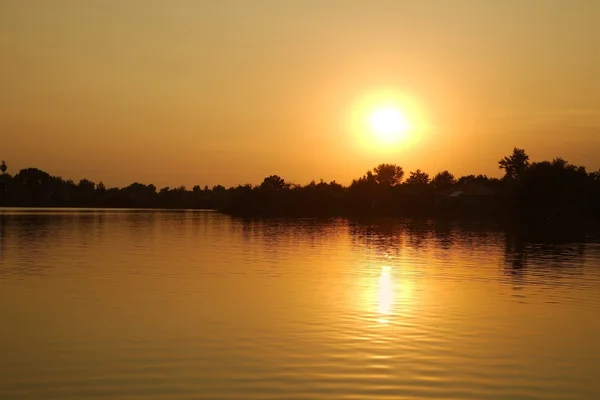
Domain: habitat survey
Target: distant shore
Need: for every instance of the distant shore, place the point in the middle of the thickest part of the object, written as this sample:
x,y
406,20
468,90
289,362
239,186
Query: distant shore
x,y
539,192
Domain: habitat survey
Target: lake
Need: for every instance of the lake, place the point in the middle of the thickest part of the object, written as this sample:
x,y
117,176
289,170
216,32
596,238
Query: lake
x,y
142,304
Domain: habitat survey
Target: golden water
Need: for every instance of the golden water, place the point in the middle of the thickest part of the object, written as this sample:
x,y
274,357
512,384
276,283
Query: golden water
x,y
196,305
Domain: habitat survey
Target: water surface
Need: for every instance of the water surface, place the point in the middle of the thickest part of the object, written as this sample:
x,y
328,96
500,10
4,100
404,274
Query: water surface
x,y
117,304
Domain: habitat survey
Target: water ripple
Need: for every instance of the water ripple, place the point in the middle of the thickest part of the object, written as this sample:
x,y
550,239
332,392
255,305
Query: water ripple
x,y
115,304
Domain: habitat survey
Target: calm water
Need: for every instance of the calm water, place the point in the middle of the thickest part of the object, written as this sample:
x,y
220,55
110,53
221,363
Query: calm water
x,y
185,305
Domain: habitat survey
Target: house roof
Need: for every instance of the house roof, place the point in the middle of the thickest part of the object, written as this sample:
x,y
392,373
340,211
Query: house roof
x,y
468,189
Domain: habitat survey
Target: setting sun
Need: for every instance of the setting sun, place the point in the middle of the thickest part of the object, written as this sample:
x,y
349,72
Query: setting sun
x,y
386,121
389,124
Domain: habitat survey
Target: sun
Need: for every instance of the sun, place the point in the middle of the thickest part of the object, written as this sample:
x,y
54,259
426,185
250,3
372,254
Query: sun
x,y
389,124
386,121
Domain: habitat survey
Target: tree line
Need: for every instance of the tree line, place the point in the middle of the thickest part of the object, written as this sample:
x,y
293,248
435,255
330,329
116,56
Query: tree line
x,y
539,190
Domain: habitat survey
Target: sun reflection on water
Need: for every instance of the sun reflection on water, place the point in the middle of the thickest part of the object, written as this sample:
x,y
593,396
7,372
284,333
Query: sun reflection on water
x,y
386,295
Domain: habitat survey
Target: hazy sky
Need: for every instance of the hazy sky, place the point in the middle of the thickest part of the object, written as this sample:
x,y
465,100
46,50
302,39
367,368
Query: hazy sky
x,y
206,92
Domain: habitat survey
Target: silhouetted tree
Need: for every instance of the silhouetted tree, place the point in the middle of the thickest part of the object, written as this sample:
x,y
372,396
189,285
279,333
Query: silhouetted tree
x,y
274,183
467,179
418,177
5,185
368,178
388,174
554,189
443,180
35,187
84,192
559,163
514,165
480,179
86,186
364,193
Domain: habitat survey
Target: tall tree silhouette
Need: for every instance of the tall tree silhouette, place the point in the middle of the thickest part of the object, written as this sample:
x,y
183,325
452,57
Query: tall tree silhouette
x,y
443,180
418,177
3,167
101,188
388,174
514,165
274,183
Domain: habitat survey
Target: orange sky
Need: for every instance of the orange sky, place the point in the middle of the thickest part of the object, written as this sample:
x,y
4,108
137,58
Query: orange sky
x,y
206,92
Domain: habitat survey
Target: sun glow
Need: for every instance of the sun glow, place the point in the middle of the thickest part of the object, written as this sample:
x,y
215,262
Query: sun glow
x,y
386,121
389,124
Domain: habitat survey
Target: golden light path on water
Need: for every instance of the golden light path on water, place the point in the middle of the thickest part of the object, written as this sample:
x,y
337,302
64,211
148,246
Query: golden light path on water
x,y
393,291
386,295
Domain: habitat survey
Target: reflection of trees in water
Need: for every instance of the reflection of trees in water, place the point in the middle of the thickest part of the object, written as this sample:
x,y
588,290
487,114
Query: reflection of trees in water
x,y
470,236
418,234
549,253
201,221
383,237
28,235
390,235
3,236
143,226
445,234
276,234
32,231
31,235
243,227
514,255
85,226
